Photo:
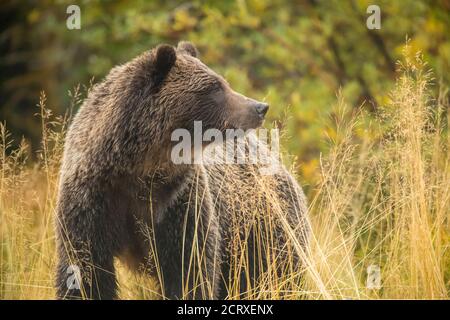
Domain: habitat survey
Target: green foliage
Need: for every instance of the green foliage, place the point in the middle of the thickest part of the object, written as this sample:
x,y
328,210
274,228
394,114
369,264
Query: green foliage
x,y
294,54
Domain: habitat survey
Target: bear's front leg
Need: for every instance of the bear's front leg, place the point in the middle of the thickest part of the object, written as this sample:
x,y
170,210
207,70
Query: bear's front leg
x,y
84,274
188,245
85,247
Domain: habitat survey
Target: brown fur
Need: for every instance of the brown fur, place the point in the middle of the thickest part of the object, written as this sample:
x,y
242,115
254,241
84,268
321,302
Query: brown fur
x,y
117,181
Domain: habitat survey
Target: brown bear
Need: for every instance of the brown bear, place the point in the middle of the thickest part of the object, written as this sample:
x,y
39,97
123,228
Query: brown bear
x,y
121,196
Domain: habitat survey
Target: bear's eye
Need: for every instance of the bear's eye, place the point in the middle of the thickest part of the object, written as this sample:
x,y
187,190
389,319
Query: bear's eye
x,y
210,88
215,86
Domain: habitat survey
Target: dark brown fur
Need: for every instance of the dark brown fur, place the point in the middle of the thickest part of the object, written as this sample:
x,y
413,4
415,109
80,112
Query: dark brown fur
x,y
119,188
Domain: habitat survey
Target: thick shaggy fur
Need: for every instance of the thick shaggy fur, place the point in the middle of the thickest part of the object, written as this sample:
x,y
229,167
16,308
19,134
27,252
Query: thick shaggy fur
x,y
120,196
259,215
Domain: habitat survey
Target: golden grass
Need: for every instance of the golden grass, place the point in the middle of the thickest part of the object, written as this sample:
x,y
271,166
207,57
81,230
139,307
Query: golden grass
x,y
383,199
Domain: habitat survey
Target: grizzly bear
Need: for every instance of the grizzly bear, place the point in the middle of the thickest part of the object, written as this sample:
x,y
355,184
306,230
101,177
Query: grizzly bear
x,y
120,195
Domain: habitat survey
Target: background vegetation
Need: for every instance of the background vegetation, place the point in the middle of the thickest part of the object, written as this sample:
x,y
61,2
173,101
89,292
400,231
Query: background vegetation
x,y
369,135
294,54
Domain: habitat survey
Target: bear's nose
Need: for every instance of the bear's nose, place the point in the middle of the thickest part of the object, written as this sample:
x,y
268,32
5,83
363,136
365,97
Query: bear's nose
x,y
261,109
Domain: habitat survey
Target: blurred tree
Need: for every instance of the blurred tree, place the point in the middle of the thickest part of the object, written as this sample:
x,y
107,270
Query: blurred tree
x,y
294,54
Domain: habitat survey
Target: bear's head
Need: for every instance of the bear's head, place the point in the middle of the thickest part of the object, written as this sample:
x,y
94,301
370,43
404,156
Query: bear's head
x,y
138,106
187,90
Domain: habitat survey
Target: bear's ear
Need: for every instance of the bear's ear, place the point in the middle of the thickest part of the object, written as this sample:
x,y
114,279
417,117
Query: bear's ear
x,y
164,60
188,48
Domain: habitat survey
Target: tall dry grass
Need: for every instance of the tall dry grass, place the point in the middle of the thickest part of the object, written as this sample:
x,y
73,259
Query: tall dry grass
x,y
382,200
